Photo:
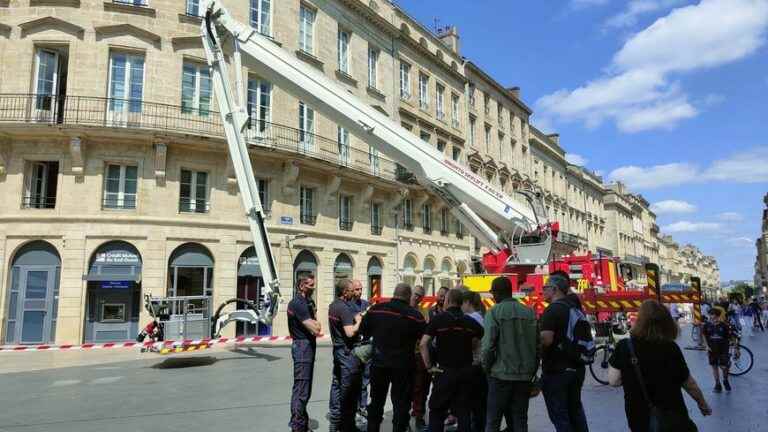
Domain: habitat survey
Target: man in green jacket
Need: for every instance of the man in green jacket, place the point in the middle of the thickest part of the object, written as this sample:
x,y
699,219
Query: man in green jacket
x,y
510,357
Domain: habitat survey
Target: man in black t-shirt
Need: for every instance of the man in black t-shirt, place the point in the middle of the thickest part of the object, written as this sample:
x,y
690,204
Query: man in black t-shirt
x,y
457,337
717,335
562,377
344,322
304,329
394,327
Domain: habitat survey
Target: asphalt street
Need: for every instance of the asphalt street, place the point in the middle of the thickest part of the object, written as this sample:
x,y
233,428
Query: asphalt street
x,y
248,389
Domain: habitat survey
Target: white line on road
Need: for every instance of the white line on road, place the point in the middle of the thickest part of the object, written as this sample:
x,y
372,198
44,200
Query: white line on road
x,y
62,383
106,380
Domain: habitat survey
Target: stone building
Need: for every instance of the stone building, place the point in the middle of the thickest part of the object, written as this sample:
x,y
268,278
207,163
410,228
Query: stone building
x,y
761,260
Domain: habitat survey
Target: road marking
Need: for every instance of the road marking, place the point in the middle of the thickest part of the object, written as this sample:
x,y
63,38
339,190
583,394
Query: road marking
x,y
62,383
106,380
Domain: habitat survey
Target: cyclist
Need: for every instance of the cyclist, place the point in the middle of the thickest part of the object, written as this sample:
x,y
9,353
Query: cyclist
x,y
754,307
717,336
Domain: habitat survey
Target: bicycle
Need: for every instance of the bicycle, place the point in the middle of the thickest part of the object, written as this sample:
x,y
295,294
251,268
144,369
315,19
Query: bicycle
x,y
599,367
740,363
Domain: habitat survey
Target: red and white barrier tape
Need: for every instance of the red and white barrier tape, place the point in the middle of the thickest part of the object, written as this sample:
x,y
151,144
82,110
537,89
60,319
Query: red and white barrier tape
x,y
157,345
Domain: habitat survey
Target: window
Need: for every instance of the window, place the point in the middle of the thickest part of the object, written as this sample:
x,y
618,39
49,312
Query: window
x,y
344,51
408,215
306,128
343,136
259,105
126,83
260,16
500,115
456,153
195,89
373,68
486,104
441,146
46,79
193,8
193,192
138,3
444,221
345,213
439,101
306,212
501,140
376,218
424,136
113,312
472,99
455,111
471,131
374,160
423,91
459,230
264,197
120,186
405,81
487,139
41,185
426,218
306,29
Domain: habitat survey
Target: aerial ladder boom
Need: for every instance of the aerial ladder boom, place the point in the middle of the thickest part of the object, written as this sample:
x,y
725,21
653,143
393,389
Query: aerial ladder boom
x,y
516,227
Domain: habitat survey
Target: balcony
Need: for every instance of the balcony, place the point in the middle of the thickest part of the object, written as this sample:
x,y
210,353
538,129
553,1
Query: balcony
x,y
86,111
444,232
346,225
375,230
38,202
427,230
307,219
408,226
403,175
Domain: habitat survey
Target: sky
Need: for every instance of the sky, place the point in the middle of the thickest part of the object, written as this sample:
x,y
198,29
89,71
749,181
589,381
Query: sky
x,y
668,96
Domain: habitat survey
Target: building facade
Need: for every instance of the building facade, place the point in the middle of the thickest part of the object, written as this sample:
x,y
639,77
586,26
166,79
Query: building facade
x,y
761,259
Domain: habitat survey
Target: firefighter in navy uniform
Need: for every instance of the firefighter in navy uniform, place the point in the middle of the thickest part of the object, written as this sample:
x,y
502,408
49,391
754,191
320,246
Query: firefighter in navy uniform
x,y
344,322
395,327
457,337
304,329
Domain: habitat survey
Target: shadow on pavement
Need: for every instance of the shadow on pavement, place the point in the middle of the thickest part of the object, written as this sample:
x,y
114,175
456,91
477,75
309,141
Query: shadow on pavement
x,y
185,362
250,352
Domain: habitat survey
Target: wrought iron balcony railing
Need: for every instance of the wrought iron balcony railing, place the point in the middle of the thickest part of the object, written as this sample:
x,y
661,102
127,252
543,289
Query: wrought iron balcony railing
x,y
375,230
307,219
135,114
346,225
38,202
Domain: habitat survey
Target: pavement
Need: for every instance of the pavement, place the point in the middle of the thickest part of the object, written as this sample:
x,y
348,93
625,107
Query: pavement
x,y
248,388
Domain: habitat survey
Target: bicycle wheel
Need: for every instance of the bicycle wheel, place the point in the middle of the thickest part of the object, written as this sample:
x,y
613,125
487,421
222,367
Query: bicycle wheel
x,y
599,368
742,360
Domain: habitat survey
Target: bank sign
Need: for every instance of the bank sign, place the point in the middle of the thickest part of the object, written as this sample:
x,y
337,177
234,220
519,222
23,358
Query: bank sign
x,y
117,257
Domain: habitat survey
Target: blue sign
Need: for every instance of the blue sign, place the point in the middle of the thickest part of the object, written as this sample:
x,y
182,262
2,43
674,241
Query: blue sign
x,y
286,220
674,287
116,284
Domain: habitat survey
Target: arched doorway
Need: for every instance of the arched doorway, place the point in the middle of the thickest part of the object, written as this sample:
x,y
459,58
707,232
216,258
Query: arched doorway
x,y
304,265
428,276
374,277
342,268
113,297
446,275
33,294
190,271
249,286
409,270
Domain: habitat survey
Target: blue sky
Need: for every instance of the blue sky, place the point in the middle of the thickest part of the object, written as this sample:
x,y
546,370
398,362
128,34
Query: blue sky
x,y
669,96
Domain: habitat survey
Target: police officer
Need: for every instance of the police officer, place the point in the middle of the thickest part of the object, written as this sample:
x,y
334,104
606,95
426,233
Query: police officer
x,y
457,337
304,329
344,322
395,327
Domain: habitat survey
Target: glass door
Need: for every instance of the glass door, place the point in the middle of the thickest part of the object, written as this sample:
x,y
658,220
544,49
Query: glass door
x,y
46,84
35,307
126,88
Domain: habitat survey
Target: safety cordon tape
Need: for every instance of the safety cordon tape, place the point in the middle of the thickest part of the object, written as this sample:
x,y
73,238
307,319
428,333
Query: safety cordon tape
x,y
159,346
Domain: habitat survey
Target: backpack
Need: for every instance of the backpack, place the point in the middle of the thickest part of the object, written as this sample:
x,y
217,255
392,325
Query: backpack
x,y
578,344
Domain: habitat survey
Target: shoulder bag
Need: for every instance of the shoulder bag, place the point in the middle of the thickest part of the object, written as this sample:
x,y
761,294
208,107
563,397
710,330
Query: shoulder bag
x,y
660,420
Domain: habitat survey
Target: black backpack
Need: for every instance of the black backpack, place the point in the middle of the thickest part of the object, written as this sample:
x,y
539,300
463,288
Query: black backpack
x,y
578,343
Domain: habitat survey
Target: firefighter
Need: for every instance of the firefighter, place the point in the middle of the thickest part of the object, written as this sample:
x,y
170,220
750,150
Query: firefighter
x,y
304,329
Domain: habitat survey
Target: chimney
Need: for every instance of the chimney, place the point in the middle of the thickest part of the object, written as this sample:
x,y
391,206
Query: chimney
x,y
514,91
449,35
555,137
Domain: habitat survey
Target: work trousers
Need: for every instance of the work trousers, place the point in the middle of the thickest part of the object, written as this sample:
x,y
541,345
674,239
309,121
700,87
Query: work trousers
x,y
478,399
363,404
508,399
421,381
562,395
450,392
345,390
401,381
303,354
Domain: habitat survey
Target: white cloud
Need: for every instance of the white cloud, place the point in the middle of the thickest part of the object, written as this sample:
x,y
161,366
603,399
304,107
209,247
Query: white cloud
x,y
672,206
730,217
576,159
635,8
740,241
638,91
691,227
750,166
581,4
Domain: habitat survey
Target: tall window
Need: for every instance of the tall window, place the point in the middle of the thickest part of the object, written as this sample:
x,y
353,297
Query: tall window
x,y
455,111
345,213
264,197
408,214
376,218
120,186
126,82
343,135
193,192
306,29
195,89
487,139
260,16
374,160
344,38
306,128
456,153
440,101
373,68
441,146
500,115
405,81
426,218
423,91
306,211
424,136
259,105
46,78
444,219
486,103
471,131
41,185
193,7
459,230
471,91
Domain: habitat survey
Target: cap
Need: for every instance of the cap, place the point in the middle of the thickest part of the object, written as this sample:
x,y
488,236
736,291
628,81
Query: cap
x,y
558,282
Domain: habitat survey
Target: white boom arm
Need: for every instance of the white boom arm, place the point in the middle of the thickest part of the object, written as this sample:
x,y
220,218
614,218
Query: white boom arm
x,y
497,220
